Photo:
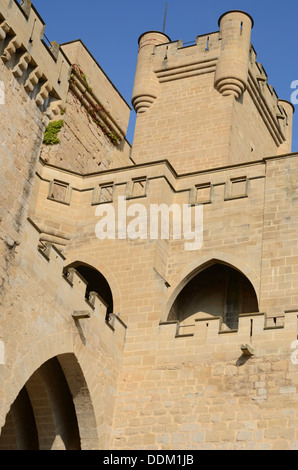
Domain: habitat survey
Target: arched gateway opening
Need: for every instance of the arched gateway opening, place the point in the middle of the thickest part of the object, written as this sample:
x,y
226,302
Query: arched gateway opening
x,y
48,412
218,290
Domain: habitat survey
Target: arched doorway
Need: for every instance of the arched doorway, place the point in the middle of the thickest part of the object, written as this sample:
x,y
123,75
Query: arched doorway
x,y
218,290
96,282
53,410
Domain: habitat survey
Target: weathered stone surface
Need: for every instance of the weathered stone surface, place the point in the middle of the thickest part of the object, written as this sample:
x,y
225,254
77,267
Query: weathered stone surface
x,y
142,371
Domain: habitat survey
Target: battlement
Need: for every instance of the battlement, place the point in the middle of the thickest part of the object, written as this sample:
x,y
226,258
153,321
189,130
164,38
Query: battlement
x,y
276,113
175,61
201,78
205,337
68,284
43,68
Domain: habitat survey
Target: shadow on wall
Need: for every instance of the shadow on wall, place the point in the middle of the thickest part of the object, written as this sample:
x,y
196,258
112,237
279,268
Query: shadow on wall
x,y
43,415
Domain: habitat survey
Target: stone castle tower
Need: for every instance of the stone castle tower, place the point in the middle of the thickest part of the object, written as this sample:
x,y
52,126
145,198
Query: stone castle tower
x,y
133,341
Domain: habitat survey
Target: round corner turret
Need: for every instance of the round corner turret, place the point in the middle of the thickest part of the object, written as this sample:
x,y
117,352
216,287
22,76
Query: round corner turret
x,y
236,11
157,35
146,85
232,67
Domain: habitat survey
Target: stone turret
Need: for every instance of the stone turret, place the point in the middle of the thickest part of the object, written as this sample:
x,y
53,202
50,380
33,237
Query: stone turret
x,y
231,74
213,104
146,85
286,118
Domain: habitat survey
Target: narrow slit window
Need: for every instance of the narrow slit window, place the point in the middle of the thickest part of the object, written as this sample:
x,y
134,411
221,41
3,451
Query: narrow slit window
x,y
241,28
166,53
207,45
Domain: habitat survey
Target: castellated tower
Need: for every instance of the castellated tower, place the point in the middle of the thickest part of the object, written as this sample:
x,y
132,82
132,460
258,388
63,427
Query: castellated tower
x,y
209,104
117,331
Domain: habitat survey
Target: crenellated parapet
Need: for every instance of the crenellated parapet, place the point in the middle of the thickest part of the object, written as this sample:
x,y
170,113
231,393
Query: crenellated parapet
x,y
258,334
94,108
276,113
225,53
67,285
43,69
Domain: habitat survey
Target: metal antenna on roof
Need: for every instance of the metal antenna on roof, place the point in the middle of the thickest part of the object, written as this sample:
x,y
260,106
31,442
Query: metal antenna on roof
x,y
164,22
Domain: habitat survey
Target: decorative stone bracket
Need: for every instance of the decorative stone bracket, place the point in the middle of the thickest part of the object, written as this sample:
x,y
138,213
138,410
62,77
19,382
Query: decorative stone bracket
x,y
43,70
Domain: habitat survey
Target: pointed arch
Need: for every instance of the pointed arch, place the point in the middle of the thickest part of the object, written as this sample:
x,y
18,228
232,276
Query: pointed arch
x,y
185,277
52,411
30,373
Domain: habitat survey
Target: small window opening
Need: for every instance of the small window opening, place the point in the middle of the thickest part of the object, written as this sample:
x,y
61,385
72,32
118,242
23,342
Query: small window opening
x,y
207,45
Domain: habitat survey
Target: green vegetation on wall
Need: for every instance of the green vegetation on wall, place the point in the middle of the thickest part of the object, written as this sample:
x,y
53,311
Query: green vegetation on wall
x,y
51,133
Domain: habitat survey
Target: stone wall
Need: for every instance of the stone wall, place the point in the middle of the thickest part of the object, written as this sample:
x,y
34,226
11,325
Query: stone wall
x,y
39,307
95,119
33,91
208,405
46,316
208,104
176,378
140,378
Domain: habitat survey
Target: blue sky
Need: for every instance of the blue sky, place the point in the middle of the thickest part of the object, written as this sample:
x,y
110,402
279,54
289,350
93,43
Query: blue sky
x,y
110,29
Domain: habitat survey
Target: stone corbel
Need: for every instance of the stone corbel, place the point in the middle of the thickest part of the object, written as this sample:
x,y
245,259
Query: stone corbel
x,y
33,79
22,66
44,93
55,107
247,350
4,30
11,49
